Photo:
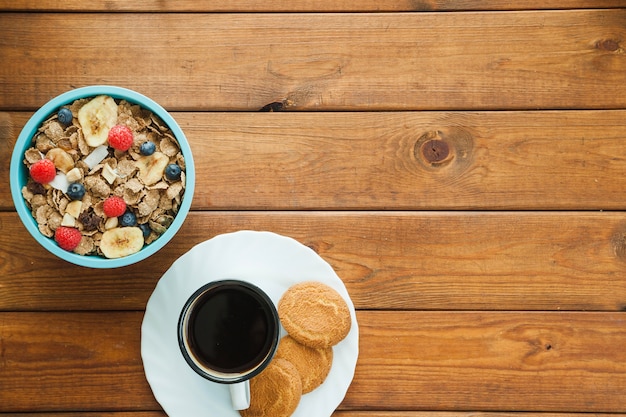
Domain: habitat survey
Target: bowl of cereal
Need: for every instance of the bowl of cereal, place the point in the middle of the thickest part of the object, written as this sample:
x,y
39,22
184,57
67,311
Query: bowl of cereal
x,y
102,176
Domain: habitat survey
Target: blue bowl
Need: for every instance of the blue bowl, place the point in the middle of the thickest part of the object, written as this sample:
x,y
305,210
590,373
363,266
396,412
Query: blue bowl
x,y
19,174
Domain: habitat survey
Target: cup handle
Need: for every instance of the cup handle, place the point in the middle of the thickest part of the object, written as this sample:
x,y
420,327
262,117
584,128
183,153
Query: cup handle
x,y
240,395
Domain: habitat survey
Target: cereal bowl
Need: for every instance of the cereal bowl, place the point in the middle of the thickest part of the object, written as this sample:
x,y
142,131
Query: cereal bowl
x,y
116,144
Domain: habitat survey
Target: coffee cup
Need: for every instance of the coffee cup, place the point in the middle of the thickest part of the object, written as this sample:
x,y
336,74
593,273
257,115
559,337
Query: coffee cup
x,y
228,332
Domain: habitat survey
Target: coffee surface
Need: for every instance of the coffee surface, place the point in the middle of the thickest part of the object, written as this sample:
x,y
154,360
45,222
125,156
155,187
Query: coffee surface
x,y
229,330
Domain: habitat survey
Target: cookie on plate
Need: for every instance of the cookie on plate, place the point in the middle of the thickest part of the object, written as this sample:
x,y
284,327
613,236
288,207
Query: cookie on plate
x,y
312,364
275,392
314,314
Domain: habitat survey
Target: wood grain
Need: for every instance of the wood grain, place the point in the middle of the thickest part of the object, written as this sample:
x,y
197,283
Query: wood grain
x,y
440,360
503,362
300,5
459,163
72,362
339,414
395,260
570,160
387,61
99,414
457,414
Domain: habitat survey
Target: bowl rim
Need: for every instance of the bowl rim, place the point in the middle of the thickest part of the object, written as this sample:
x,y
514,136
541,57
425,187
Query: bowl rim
x,y
18,172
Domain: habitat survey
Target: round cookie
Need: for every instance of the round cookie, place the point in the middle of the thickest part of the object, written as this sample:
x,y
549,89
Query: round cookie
x,y
312,364
275,392
314,314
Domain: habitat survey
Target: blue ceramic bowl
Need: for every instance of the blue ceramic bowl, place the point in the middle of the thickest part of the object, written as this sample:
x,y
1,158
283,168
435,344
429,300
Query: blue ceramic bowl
x,y
19,174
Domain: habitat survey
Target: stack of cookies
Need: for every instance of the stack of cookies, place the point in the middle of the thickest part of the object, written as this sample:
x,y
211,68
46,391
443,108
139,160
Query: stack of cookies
x,y
316,318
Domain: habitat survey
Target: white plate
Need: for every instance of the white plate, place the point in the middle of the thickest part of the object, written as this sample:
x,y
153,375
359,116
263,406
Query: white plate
x,y
273,263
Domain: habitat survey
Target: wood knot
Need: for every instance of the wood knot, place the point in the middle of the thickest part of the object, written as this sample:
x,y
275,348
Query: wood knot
x,y
618,242
276,106
445,147
610,45
273,106
435,151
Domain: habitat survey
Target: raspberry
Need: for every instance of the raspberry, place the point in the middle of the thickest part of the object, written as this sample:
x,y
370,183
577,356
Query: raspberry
x,y
68,238
114,206
120,137
43,171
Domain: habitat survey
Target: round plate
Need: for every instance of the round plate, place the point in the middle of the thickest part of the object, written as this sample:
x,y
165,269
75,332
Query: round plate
x,y
272,262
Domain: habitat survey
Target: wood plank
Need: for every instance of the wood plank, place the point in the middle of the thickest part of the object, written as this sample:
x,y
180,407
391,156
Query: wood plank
x,y
448,361
571,160
336,414
299,5
395,260
460,414
72,362
387,61
490,361
100,414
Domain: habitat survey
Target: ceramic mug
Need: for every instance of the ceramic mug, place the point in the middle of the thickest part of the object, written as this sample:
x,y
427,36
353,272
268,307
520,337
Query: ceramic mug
x,y
228,332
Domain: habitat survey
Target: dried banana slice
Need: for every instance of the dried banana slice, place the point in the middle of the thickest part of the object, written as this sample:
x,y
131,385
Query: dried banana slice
x,y
97,117
121,241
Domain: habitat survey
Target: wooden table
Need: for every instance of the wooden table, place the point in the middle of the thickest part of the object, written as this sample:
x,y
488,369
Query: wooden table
x,y
460,163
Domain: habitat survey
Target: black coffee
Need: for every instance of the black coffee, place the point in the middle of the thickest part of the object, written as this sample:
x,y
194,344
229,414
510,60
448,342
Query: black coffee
x,y
231,329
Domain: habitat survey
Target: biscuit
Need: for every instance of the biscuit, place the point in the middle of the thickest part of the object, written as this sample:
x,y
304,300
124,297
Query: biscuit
x,y
275,392
312,364
314,314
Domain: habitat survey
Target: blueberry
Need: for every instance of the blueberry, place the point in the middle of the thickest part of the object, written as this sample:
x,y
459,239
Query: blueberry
x,y
172,172
147,148
145,229
128,219
75,191
65,116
